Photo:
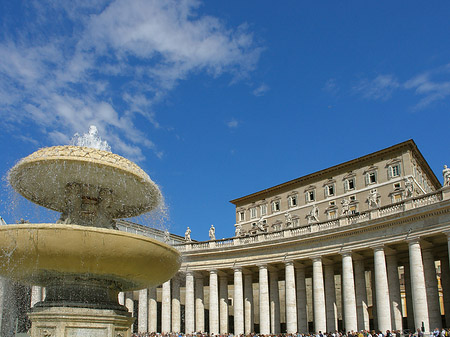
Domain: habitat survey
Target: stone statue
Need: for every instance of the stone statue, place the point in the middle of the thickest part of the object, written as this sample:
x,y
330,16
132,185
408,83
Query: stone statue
x,y
313,215
372,199
409,188
212,233
446,174
166,236
238,230
260,224
288,219
187,235
345,206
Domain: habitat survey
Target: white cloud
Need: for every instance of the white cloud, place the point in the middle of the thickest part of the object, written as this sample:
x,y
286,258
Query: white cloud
x,y
261,90
331,86
233,123
111,61
431,86
380,88
430,90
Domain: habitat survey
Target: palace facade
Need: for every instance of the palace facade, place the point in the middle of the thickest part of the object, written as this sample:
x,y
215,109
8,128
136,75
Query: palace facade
x,y
357,246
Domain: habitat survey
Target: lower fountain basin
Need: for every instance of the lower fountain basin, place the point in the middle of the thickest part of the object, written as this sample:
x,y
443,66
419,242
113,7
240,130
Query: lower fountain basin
x,y
47,254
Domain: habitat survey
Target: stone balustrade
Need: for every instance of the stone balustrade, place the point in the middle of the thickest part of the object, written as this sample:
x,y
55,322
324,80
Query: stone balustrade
x,y
411,203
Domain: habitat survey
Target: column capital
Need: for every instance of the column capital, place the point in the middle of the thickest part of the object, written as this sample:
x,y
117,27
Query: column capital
x,y
213,271
262,266
346,253
378,248
189,272
237,269
413,240
289,263
316,259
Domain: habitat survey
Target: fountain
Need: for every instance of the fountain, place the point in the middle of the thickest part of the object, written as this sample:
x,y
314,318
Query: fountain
x,y
82,260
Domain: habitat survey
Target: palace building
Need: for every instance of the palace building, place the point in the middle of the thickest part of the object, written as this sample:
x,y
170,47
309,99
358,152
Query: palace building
x,y
357,246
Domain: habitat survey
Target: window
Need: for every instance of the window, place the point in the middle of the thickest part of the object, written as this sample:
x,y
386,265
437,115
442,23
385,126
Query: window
x,y
332,214
394,170
352,198
332,203
397,186
349,184
276,206
329,190
252,212
397,198
353,209
310,196
371,177
263,209
241,216
292,201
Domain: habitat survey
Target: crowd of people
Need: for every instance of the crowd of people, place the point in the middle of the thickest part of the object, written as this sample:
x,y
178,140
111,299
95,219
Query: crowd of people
x,y
363,333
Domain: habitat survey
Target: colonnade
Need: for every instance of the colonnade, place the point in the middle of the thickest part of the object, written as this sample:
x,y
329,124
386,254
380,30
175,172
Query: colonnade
x,y
381,262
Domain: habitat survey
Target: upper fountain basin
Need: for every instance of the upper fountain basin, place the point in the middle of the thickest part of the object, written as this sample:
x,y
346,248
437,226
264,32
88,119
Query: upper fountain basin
x,y
38,254
43,177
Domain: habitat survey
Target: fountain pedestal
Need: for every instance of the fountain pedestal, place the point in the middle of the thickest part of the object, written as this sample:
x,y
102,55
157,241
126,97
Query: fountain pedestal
x,y
79,322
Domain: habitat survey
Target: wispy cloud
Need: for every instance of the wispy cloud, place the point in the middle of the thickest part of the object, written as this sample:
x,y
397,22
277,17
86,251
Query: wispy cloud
x,y
233,123
430,89
379,88
430,86
331,86
107,62
261,90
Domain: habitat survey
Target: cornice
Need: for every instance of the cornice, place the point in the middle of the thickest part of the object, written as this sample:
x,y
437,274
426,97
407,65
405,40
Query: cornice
x,y
331,171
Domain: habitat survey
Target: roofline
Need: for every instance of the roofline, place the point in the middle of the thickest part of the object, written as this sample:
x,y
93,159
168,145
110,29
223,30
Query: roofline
x,y
410,144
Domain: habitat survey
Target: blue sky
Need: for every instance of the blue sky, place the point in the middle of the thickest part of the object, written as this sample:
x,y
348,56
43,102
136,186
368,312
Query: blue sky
x,y
220,99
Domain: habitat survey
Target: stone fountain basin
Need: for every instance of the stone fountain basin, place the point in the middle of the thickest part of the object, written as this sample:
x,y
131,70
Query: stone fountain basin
x,y
37,254
43,176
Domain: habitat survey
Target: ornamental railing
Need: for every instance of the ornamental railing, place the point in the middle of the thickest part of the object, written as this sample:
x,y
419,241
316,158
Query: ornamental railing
x,y
300,230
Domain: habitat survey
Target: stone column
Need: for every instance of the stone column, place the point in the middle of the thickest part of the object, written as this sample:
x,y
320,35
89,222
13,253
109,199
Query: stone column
x,y
394,292
36,295
418,289
291,305
129,302
348,293
143,311
362,311
165,308
176,305
434,310
152,310
264,306
213,303
382,290
330,296
408,294
320,323
189,316
302,319
199,305
445,281
223,304
121,298
248,303
274,296
238,297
